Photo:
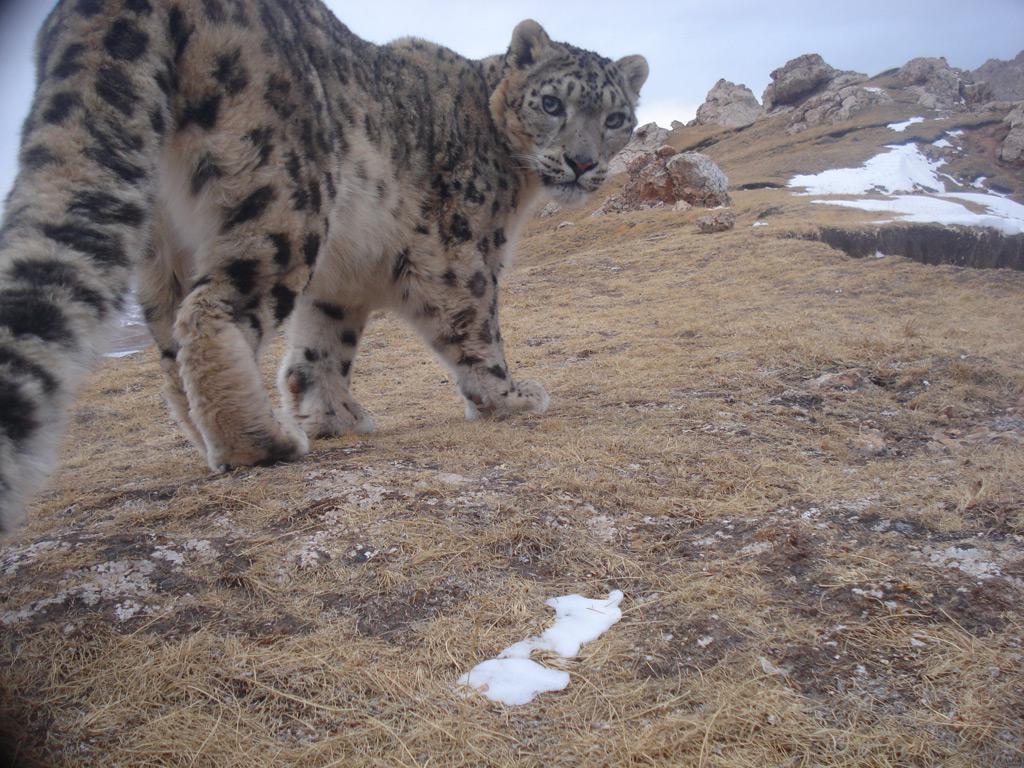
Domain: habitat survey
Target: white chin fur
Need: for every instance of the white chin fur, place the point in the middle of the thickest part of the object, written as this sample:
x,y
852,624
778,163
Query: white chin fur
x,y
568,194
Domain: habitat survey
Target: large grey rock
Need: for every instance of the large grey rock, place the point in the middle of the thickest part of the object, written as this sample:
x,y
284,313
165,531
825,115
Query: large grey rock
x,y
646,139
844,98
729,105
1012,149
798,79
665,178
698,180
1005,78
940,86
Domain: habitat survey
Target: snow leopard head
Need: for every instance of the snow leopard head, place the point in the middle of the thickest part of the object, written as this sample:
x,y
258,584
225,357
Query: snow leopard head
x,y
566,111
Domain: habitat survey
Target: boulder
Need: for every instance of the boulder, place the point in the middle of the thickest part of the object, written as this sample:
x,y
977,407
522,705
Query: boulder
x,y
1004,78
1012,149
798,79
698,180
662,179
719,221
646,139
729,105
845,98
940,86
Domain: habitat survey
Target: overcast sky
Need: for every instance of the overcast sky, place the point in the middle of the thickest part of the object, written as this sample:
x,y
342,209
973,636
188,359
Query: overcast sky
x,y
689,43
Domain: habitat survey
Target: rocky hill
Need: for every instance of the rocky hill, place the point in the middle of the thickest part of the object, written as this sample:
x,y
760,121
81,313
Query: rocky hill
x,y
1005,78
812,93
927,145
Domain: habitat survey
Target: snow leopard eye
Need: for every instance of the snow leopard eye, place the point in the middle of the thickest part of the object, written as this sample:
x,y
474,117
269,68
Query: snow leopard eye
x,y
553,106
615,120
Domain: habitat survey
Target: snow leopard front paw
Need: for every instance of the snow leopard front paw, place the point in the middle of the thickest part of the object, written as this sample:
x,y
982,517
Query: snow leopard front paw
x,y
340,416
283,442
529,396
522,396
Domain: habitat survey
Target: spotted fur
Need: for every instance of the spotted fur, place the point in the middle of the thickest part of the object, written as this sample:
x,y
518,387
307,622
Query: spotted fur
x,y
253,161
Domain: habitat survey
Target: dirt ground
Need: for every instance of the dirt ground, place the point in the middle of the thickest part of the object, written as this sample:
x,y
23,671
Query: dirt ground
x,y
803,470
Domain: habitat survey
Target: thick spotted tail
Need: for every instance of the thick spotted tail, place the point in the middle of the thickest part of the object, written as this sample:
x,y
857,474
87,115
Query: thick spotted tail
x,y
77,217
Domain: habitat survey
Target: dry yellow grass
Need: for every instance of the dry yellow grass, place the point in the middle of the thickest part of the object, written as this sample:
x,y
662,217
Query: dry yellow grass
x,y
813,576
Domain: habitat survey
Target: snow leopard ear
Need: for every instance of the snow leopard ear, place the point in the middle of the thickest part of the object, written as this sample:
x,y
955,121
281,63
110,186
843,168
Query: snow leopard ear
x,y
635,70
529,42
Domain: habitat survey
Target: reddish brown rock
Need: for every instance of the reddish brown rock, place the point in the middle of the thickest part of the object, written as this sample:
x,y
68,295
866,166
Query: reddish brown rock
x,y
659,179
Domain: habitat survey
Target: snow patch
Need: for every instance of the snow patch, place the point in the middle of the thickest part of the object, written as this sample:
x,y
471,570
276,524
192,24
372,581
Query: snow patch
x,y
901,127
942,144
513,678
996,204
514,681
902,169
934,210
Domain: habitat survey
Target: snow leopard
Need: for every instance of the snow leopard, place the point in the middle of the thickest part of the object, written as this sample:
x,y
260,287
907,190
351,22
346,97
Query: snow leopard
x,y
252,162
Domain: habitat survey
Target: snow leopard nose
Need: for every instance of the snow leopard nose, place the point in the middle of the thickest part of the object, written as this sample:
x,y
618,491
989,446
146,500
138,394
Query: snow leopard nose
x,y
579,165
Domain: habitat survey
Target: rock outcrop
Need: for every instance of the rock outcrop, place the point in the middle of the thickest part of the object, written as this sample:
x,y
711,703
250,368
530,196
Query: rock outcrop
x,y
646,139
797,80
667,177
729,105
819,94
1012,149
1004,78
844,98
940,86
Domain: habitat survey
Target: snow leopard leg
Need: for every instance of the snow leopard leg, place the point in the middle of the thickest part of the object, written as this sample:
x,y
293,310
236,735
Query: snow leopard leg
x,y
220,329
249,174
161,273
314,378
457,312
76,220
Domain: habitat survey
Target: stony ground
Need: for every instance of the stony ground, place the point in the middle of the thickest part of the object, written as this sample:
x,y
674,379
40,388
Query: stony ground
x,y
803,470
